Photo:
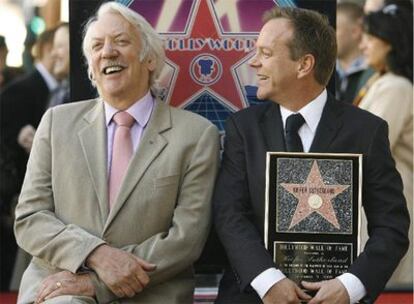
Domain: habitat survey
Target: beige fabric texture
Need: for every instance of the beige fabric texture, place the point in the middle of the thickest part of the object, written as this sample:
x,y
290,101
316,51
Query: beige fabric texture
x,y
162,216
391,98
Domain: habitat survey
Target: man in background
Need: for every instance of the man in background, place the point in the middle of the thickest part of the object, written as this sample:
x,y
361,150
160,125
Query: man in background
x,y
351,69
61,69
60,92
22,103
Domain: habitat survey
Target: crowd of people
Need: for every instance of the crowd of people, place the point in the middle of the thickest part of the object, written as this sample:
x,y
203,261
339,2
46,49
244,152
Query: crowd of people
x,y
89,239
375,72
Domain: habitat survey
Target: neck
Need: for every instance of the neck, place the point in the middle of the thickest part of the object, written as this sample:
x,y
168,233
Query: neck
x,y
47,64
381,68
348,59
301,96
122,103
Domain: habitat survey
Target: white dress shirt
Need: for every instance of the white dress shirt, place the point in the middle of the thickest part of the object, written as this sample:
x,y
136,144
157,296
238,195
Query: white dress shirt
x,y
312,113
51,82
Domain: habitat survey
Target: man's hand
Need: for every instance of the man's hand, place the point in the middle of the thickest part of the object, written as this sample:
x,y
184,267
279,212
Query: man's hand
x,y
329,292
25,137
123,273
65,283
285,291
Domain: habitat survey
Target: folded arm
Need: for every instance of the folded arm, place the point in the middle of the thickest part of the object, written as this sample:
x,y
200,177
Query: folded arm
x,y
176,249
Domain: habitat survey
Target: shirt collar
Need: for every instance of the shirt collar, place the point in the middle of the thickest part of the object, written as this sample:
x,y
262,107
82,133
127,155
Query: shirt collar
x,y
48,78
141,110
359,64
312,112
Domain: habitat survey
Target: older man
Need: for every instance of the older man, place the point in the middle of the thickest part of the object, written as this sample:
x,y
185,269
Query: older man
x,y
295,58
116,199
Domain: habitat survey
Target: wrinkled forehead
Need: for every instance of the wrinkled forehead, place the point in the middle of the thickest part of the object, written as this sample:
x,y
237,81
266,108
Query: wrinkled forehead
x,y
111,24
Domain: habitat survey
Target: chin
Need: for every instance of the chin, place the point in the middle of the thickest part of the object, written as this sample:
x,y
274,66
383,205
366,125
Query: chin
x,y
261,95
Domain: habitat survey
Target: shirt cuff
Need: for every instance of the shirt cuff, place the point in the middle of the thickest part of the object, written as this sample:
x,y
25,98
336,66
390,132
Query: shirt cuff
x,y
356,290
264,281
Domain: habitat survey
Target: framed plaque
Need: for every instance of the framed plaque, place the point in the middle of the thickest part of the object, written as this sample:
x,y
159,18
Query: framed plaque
x,y
312,214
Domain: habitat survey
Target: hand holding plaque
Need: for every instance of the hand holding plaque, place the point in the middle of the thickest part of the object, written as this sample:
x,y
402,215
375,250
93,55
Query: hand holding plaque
x,y
285,291
312,213
331,291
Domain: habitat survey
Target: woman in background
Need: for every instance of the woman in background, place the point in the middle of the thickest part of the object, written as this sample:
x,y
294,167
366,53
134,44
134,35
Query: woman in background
x,y
388,48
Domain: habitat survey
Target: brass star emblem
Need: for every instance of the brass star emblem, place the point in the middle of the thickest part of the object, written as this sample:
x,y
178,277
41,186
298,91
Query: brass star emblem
x,y
314,196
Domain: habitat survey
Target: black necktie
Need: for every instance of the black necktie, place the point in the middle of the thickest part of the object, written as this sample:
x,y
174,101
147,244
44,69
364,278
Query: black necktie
x,y
293,124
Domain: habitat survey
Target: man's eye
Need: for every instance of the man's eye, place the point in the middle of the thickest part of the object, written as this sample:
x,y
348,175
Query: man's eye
x,y
96,46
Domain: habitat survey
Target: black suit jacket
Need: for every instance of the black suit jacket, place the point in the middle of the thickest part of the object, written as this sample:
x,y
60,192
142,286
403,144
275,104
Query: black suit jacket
x,y
240,193
22,102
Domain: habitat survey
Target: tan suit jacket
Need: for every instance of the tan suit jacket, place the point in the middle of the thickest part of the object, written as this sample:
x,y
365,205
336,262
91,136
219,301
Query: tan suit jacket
x,y
391,98
162,215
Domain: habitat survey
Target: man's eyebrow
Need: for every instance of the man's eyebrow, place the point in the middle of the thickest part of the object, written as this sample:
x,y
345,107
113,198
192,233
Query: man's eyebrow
x,y
122,34
264,47
114,36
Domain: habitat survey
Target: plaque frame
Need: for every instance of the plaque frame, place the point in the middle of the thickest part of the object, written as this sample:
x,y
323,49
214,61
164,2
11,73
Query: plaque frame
x,y
344,230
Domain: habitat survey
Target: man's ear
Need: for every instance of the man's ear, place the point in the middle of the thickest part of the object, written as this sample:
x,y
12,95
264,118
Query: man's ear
x,y
151,63
306,65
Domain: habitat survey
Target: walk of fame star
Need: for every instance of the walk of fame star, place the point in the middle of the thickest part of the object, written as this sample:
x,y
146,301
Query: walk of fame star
x,y
225,87
314,196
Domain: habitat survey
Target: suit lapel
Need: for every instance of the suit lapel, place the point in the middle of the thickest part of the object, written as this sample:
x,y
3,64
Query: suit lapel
x,y
151,145
328,126
93,142
272,128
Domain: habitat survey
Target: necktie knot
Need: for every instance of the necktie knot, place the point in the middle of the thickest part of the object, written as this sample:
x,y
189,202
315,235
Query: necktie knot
x,y
294,122
123,119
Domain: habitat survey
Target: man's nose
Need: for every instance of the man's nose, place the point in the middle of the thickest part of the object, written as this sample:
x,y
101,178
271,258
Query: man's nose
x,y
108,49
253,62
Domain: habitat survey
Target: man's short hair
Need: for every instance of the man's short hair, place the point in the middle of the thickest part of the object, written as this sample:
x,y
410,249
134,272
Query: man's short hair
x,y
312,34
44,38
151,43
354,11
62,24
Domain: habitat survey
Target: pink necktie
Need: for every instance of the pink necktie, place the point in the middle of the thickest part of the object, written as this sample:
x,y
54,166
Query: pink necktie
x,y
121,153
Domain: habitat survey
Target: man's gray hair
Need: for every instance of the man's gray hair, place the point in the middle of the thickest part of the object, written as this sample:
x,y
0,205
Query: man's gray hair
x,y
151,43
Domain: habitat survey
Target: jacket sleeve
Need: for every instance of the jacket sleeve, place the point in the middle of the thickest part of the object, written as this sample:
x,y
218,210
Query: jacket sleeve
x,y
233,214
37,228
387,215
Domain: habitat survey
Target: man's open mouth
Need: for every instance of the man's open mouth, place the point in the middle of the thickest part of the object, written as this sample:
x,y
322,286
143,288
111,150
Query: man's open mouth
x,y
112,69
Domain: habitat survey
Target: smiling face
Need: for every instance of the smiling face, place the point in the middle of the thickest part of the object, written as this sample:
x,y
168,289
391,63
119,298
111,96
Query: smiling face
x,y
275,70
114,48
60,53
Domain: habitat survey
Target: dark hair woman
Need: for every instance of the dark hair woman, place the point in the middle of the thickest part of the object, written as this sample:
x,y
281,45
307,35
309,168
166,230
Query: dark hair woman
x,y
388,47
